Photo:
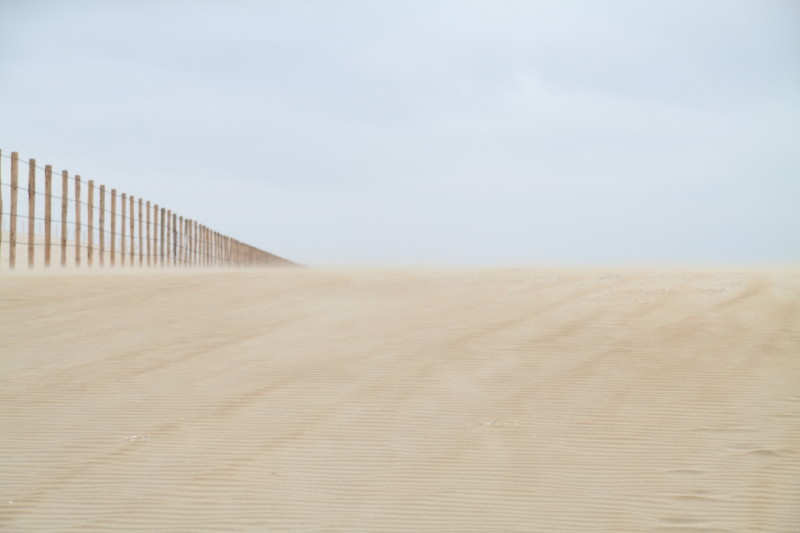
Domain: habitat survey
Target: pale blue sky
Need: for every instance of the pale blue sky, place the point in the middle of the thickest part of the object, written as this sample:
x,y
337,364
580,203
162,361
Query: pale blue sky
x,y
425,132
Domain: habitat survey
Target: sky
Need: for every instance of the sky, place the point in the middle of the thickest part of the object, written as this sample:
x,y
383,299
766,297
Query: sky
x,y
463,133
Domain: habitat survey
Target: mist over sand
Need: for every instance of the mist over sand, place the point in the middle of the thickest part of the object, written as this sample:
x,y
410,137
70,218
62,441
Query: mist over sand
x,y
344,400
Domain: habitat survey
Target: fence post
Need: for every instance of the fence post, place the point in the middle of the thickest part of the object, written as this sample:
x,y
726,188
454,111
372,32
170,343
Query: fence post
x,y
48,198
1,204
155,234
113,227
102,216
190,242
77,220
133,236
147,204
90,224
187,240
161,240
141,250
64,200
31,209
174,239
122,219
12,222
199,245
181,251
168,229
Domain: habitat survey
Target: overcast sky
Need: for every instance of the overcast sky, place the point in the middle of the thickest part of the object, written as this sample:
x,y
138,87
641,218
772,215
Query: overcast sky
x,y
426,132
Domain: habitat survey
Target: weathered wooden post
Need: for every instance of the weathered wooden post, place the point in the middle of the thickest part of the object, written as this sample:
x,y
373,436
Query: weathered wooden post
x,y
141,249
181,250
155,234
174,239
113,226
168,229
148,231
190,242
202,245
64,205
133,237
31,210
77,220
1,204
102,236
90,224
161,240
12,222
122,219
48,206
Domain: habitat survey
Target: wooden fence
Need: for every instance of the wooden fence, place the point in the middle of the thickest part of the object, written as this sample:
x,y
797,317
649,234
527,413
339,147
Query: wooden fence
x,y
118,230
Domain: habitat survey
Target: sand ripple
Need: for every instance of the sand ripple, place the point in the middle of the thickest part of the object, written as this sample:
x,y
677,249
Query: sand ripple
x,y
466,400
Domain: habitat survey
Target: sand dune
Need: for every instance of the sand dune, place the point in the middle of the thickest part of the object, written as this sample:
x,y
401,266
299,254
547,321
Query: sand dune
x,y
439,400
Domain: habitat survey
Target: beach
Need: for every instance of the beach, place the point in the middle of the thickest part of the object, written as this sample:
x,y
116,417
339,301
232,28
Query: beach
x,y
396,400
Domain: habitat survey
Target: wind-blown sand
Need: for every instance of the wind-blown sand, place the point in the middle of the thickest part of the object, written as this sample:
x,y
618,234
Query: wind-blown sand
x,y
439,400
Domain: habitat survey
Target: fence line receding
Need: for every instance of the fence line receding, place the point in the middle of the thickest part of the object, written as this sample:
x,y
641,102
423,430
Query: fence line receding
x,y
91,233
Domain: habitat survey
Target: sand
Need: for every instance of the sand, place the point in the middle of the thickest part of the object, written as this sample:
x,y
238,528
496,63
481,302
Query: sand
x,y
417,400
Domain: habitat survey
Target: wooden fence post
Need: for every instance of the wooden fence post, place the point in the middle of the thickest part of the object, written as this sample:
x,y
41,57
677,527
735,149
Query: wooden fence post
x,y
90,224
113,226
155,234
161,240
31,210
77,220
141,250
12,222
190,242
122,219
1,204
168,229
187,239
64,205
174,239
181,250
48,206
133,237
102,216
148,231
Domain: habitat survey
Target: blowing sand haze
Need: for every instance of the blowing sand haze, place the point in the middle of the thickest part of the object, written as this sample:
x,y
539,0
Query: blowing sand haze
x,y
440,400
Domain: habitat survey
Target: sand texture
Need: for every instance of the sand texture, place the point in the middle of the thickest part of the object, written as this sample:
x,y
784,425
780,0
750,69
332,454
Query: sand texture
x,y
431,400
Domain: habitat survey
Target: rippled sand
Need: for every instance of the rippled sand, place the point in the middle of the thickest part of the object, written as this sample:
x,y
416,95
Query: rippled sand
x,y
449,400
